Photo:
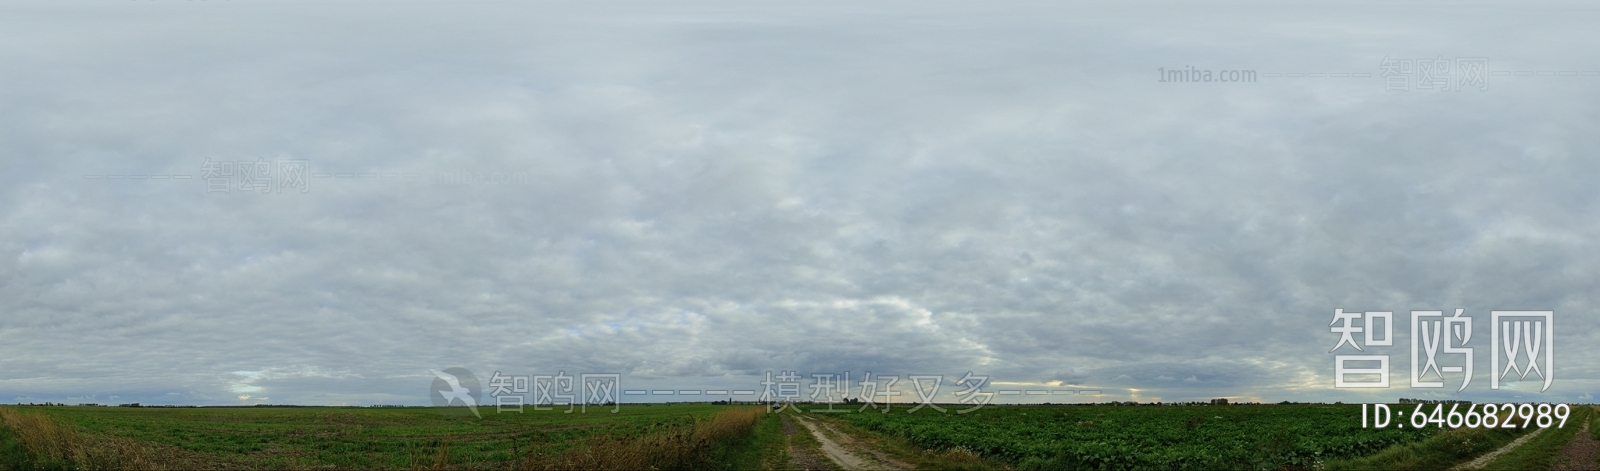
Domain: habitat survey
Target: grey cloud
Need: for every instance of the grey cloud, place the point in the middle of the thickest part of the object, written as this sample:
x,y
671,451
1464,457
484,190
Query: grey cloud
x,y
699,195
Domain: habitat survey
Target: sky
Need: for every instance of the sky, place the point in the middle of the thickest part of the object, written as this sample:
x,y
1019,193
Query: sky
x,y
246,202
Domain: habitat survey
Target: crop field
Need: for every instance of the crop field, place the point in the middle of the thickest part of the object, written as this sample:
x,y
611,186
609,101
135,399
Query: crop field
x,y
1286,436
703,436
361,438
1154,437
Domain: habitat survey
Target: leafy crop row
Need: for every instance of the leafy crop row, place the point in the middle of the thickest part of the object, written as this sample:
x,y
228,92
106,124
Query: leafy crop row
x,y
1147,437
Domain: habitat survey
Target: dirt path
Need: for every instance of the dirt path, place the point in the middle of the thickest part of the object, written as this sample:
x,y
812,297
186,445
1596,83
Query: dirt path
x,y
852,455
1490,456
1581,453
801,458
859,447
838,454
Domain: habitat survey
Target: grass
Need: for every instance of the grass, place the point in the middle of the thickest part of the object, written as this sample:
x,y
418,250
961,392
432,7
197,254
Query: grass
x,y
692,447
1541,452
764,448
1440,451
34,441
684,436
663,436
801,442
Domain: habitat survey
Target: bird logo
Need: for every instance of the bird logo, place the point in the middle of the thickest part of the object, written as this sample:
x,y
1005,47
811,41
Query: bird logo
x,y
455,385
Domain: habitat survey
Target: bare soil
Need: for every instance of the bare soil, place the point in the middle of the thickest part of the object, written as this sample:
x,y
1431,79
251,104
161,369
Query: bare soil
x,y
883,459
838,454
1581,454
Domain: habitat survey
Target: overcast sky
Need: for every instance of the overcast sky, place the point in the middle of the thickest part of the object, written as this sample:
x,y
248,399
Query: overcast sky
x,y
691,194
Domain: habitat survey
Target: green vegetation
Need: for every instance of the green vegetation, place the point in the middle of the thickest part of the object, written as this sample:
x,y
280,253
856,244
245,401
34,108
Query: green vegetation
x,y
667,437
800,442
1440,451
1541,452
1147,437
727,437
762,448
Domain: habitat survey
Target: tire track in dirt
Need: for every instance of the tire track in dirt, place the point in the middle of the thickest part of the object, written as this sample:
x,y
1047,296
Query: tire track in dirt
x,y
1582,453
851,442
1480,461
802,459
845,458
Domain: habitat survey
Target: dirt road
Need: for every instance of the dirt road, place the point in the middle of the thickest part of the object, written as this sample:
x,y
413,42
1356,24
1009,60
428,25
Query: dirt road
x,y
1582,453
852,454
801,458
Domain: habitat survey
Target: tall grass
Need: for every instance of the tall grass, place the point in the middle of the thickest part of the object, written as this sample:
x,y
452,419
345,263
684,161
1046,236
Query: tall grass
x,y
684,448
54,446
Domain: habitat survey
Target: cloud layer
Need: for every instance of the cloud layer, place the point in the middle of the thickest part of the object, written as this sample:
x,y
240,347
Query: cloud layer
x,y
696,195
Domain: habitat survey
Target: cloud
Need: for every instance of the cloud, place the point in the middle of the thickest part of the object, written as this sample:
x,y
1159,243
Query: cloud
x,y
695,198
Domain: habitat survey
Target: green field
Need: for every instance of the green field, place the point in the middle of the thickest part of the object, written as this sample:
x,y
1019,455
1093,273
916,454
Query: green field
x,y
702,436
1148,437
405,438
1260,437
